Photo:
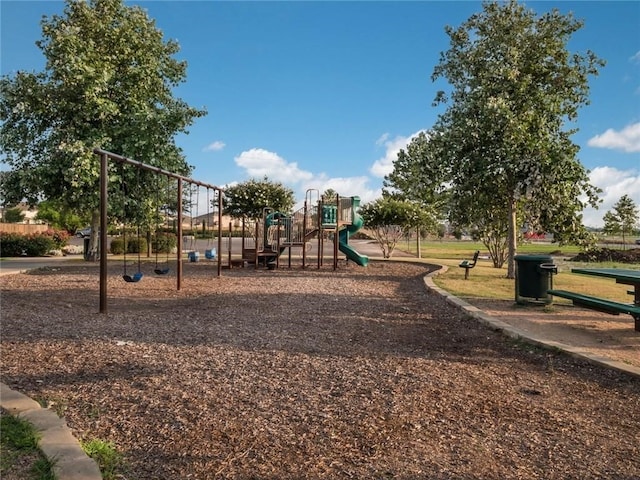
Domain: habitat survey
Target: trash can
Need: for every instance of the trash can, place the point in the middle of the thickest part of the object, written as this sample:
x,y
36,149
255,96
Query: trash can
x,y
534,276
85,248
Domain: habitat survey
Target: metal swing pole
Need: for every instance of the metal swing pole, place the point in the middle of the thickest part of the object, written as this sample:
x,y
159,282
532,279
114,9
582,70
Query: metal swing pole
x,y
103,232
179,239
219,192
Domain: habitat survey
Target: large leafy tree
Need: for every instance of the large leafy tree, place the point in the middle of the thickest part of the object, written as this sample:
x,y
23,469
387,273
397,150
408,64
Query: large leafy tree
x,y
250,198
622,219
108,83
504,140
418,175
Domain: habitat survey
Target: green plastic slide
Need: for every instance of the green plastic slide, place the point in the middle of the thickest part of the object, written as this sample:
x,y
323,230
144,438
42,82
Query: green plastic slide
x,y
343,243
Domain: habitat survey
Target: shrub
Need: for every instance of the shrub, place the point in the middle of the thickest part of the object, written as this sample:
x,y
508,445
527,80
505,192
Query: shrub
x,y
117,246
12,244
32,245
164,243
134,245
58,237
39,244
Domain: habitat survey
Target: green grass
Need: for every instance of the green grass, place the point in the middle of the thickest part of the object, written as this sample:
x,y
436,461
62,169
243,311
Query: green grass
x,y
109,460
19,453
491,283
460,249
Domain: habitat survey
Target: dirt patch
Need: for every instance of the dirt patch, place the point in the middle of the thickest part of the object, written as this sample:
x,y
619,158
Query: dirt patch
x,y
608,336
357,373
631,255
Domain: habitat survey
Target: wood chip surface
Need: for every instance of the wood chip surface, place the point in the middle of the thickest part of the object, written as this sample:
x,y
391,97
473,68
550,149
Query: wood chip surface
x,y
308,374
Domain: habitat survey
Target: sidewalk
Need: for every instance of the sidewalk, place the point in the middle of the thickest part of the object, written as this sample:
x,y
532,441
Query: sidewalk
x,y
13,265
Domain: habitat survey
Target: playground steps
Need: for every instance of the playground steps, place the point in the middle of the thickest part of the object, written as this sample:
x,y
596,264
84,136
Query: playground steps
x,y
249,255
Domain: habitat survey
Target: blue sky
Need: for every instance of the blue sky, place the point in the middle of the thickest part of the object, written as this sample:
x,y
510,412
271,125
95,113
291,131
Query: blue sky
x,y
323,94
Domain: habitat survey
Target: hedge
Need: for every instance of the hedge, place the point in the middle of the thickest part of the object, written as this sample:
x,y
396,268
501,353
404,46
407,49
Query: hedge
x,y
32,244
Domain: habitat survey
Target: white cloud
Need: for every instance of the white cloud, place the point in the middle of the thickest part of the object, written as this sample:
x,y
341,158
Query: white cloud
x,y
384,166
259,163
345,186
383,138
635,58
214,147
614,184
627,140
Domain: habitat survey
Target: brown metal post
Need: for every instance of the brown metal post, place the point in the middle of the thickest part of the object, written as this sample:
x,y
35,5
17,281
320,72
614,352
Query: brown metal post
x,y
179,246
102,235
219,232
304,235
278,242
320,254
336,236
229,245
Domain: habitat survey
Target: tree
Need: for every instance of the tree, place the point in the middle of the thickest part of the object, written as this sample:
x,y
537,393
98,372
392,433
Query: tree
x,y
622,219
390,219
107,83
329,196
503,144
59,216
418,175
13,215
250,198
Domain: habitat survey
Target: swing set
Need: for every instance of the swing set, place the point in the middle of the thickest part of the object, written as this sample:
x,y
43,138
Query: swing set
x,y
105,158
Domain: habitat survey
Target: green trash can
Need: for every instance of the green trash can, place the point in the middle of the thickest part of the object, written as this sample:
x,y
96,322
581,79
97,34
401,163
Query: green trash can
x,y
534,276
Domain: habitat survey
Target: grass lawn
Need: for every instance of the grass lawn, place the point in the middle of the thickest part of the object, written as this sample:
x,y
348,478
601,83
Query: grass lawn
x,y
485,281
19,453
464,249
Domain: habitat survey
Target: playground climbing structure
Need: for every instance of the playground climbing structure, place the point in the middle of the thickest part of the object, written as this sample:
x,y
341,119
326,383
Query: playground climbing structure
x,y
334,219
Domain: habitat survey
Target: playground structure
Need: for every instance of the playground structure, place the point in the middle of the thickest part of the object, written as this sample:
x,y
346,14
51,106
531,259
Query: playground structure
x,y
320,219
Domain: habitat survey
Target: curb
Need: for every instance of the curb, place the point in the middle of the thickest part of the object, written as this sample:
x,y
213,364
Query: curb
x,y
518,334
57,442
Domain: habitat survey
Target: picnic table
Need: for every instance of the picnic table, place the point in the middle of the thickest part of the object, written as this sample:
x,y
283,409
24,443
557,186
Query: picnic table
x,y
620,275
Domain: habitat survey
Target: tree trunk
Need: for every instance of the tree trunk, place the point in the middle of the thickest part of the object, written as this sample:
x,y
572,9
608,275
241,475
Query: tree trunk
x,y
92,253
512,240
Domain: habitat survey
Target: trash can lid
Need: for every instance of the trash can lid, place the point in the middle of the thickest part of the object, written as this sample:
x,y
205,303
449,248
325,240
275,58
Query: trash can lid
x,y
534,258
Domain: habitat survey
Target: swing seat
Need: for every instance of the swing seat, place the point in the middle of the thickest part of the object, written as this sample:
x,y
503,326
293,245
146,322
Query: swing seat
x,y
210,253
136,277
161,271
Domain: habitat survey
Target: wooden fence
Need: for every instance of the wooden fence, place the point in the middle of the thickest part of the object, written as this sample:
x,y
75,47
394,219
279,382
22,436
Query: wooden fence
x,y
22,228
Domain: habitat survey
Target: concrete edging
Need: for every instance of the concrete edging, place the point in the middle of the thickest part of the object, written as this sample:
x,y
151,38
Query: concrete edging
x,y
57,442
519,334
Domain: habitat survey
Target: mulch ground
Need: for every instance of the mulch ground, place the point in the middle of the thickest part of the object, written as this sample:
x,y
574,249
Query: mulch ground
x,y
289,374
